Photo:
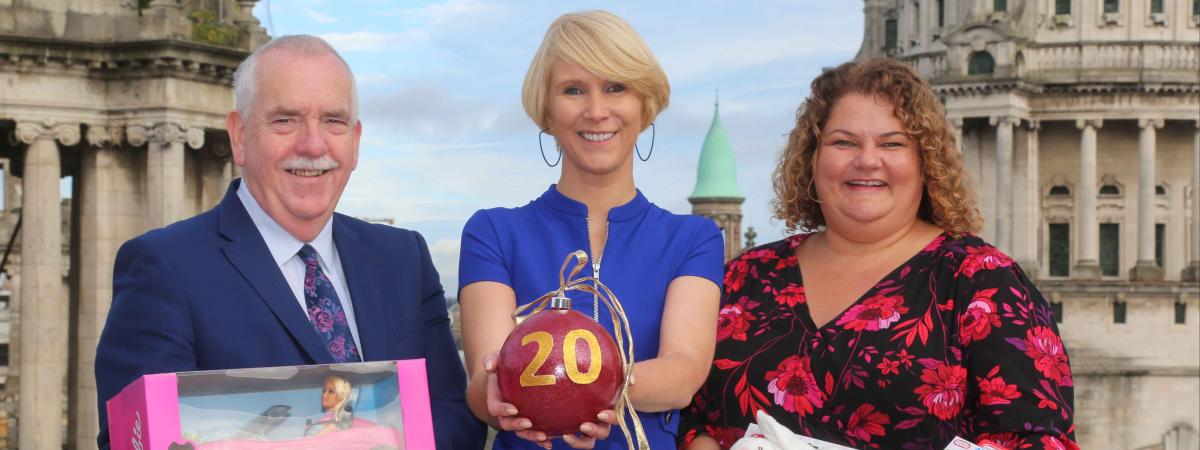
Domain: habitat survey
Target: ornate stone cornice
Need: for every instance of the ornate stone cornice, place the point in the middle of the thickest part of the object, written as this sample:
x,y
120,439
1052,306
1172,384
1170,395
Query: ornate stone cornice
x,y
195,137
1007,120
120,60
30,132
167,133
1155,122
138,135
102,135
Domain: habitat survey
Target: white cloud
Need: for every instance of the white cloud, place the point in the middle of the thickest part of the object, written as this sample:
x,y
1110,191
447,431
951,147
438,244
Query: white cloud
x,y
448,11
374,41
318,16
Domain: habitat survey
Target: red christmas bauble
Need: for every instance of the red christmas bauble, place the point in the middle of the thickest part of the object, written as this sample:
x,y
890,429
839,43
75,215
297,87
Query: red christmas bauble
x,y
559,387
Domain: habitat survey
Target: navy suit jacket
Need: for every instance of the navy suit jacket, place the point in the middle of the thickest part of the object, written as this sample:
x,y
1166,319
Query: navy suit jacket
x,y
205,294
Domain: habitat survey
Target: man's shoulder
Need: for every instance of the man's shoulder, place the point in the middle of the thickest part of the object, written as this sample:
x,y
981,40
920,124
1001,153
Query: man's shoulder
x,y
193,231
386,238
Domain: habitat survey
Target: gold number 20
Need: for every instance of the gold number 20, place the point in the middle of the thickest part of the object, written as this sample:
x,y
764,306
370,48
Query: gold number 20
x,y
545,344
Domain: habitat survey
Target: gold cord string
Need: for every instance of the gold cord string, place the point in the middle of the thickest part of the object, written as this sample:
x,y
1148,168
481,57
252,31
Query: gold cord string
x,y
622,334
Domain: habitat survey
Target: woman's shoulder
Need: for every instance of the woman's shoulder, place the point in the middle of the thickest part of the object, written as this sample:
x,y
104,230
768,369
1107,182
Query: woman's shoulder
x,y
969,257
501,215
782,249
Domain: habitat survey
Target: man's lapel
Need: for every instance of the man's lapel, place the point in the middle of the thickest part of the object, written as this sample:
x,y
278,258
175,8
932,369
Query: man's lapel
x,y
248,252
362,265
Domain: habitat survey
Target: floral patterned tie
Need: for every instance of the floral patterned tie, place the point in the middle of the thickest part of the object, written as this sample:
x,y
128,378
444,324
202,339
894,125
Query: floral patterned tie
x,y
325,311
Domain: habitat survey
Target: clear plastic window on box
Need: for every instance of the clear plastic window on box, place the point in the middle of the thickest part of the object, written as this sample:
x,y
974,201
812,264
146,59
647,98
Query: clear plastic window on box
x,y
373,405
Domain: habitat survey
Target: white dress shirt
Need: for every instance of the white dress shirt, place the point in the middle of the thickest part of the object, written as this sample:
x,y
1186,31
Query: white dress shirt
x,y
285,251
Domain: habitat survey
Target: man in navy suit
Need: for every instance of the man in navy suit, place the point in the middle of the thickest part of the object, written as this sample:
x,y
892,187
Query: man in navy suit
x,y
272,276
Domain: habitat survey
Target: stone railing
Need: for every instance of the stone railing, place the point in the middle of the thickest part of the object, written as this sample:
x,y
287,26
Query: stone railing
x,y
1101,62
1108,57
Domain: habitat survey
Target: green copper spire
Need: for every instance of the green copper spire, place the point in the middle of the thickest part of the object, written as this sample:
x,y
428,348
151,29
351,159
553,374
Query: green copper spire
x,y
716,176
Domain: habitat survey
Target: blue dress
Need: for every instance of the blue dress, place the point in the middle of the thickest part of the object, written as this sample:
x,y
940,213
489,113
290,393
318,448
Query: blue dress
x,y
647,248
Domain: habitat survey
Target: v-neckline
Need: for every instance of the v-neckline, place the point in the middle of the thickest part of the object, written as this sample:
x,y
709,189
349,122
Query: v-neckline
x,y
807,311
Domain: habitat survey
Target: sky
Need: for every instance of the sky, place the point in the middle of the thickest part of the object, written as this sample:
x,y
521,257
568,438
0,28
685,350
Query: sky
x,y
444,133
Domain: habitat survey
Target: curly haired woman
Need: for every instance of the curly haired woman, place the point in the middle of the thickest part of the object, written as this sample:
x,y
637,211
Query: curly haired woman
x,y
885,323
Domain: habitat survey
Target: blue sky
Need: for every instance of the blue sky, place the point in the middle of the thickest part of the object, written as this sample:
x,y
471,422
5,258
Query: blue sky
x,y
440,83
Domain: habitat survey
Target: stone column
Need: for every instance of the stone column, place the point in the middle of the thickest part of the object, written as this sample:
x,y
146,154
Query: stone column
x,y
164,169
1087,230
1146,268
956,127
1027,216
1004,166
1192,271
99,217
44,313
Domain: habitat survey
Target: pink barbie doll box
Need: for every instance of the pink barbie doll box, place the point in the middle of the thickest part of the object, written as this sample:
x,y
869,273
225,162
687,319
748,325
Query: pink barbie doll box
x,y
371,405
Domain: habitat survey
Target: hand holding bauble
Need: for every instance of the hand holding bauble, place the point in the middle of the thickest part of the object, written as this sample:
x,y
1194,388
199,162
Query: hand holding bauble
x,y
560,368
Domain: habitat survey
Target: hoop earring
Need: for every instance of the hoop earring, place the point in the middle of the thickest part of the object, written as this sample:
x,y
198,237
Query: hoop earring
x,y
812,195
543,150
651,152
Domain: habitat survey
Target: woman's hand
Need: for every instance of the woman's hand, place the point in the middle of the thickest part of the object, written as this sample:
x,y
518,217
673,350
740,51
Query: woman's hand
x,y
703,442
591,432
506,413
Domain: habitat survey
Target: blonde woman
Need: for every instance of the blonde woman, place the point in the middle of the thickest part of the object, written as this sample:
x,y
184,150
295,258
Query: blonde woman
x,y
593,87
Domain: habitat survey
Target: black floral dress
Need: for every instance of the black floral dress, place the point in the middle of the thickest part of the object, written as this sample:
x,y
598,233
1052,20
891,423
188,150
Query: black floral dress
x,y
954,342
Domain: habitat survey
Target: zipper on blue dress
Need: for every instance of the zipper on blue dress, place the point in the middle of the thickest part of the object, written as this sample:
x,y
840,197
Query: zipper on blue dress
x,y
596,259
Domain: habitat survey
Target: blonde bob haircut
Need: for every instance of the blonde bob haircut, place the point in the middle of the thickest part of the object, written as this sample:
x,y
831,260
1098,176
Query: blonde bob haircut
x,y
946,201
341,387
606,46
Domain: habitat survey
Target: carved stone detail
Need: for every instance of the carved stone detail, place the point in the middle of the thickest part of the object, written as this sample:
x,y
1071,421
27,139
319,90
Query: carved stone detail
x,y
136,135
1155,122
102,135
195,137
167,133
29,132
1084,123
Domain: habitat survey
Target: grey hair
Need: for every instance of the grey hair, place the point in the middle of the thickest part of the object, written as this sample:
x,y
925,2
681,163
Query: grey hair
x,y
245,80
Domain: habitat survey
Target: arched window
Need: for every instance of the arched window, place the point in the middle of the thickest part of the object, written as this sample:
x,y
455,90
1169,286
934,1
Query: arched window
x,y
981,63
1110,189
1060,191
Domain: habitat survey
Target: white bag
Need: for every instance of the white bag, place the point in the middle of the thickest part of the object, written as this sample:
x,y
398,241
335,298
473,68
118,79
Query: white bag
x,y
768,434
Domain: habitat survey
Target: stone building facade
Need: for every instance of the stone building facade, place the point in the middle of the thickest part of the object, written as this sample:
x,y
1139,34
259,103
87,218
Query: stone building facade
x,y
1079,121
126,99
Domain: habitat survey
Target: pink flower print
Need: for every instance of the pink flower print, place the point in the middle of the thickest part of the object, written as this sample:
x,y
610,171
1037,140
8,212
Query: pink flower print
x,y
794,386
875,313
983,258
943,390
866,422
735,274
323,321
994,391
981,315
734,321
791,296
1046,349
337,347
888,366
310,282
